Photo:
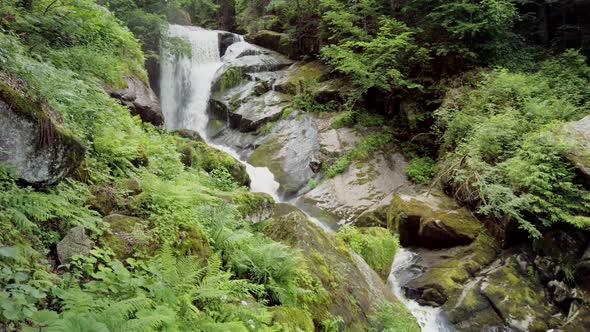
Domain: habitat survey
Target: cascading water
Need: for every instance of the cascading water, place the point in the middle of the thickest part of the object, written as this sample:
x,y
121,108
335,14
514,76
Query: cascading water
x,y
185,92
186,81
186,89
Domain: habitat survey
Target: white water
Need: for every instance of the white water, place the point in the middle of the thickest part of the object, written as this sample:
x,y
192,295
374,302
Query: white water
x,y
429,318
185,92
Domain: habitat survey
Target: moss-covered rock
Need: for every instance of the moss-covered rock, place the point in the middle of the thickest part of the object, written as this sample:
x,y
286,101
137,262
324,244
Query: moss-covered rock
x,y
140,99
192,241
276,41
376,245
300,74
375,217
431,220
32,139
450,270
253,206
351,291
75,243
128,235
104,199
199,154
518,299
292,319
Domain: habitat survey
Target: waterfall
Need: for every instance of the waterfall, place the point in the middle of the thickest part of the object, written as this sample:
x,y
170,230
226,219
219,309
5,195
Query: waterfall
x,y
186,88
186,81
185,92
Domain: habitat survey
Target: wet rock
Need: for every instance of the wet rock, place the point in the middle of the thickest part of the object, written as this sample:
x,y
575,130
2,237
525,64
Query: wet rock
x,y
301,73
140,99
375,216
188,134
447,270
582,270
226,39
287,152
431,220
32,140
502,295
579,132
76,242
351,286
278,42
257,111
128,236
520,301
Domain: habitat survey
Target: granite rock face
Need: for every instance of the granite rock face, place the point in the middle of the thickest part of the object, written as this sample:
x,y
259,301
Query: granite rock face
x,y
140,99
32,139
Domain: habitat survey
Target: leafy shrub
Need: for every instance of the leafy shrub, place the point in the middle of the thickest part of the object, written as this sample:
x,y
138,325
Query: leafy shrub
x,y
421,170
503,149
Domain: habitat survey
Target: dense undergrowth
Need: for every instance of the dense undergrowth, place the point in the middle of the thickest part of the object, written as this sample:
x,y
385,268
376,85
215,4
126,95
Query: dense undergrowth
x,y
194,264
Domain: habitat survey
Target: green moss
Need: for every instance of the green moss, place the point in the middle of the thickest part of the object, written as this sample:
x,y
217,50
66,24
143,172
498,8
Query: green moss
x,y
251,204
128,236
192,241
230,77
376,245
292,319
199,154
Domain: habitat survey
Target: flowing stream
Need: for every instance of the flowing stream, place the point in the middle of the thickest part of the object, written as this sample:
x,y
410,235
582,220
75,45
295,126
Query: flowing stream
x,y
185,92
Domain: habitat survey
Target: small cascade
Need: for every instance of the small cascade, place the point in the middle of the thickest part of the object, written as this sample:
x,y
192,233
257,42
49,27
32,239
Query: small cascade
x,y
430,319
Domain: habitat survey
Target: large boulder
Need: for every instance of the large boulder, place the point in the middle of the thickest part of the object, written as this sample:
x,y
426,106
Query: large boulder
x,y
140,99
196,153
503,295
32,139
579,132
352,287
446,271
75,243
276,41
288,151
431,220
362,186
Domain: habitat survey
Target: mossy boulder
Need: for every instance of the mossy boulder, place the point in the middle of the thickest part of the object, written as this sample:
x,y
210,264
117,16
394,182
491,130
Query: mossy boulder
x,y
276,41
351,287
431,220
298,75
192,241
32,138
199,154
449,269
129,235
104,199
253,206
140,99
374,217
376,245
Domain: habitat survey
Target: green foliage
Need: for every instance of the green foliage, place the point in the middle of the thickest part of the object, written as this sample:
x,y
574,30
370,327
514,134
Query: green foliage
x,y
504,150
376,245
421,170
383,62
361,151
24,284
392,317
